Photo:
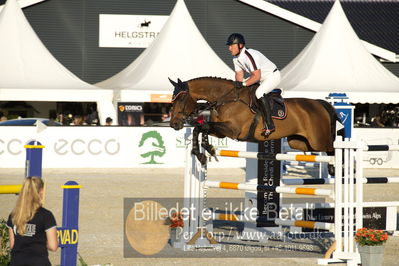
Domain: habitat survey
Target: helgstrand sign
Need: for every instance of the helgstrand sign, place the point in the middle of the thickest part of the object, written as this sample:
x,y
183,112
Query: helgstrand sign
x,y
129,31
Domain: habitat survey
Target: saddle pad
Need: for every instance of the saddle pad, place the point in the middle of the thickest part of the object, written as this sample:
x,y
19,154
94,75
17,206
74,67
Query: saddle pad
x,y
278,108
277,103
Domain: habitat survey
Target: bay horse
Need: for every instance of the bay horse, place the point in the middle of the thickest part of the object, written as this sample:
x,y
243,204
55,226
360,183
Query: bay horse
x,y
309,124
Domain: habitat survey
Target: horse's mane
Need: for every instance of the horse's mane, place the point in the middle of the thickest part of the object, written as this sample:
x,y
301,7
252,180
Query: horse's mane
x,y
218,78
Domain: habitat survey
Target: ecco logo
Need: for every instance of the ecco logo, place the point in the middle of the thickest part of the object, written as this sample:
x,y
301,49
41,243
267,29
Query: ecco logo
x,y
80,147
63,146
13,146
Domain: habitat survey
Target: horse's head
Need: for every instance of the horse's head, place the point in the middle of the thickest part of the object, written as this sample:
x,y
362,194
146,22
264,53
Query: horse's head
x,y
183,105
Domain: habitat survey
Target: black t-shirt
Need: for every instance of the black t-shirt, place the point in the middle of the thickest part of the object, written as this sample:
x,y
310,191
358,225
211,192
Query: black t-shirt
x,y
31,248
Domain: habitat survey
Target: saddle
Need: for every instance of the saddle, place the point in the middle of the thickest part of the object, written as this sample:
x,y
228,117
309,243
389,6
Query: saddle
x,y
277,104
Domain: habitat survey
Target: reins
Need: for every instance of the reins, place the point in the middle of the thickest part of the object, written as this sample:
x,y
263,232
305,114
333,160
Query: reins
x,y
210,105
221,101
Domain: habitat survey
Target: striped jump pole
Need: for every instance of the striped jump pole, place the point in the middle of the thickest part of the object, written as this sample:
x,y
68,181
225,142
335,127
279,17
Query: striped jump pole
x,y
324,205
276,157
262,188
234,217
381,148
228,217
306,224
302,164
10,189
324,181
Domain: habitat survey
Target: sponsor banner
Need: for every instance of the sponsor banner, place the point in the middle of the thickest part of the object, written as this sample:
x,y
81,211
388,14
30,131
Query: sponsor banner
x,y
129,31
130,114
269,173
107,147
373,217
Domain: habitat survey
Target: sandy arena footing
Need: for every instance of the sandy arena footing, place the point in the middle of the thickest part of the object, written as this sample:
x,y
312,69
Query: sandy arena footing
x,y
101,212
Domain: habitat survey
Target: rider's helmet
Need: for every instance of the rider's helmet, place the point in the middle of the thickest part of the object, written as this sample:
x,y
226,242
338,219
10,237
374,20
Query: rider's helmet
x,y
235,38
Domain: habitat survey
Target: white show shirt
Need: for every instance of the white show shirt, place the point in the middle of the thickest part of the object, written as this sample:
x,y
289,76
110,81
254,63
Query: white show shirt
x,y
250,60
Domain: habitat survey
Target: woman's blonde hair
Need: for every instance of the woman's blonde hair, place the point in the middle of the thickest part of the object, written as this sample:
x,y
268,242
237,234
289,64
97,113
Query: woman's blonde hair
x,y
29,201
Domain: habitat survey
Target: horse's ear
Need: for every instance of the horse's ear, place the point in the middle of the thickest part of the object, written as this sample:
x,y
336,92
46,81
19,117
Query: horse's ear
x,y
173,83
179,81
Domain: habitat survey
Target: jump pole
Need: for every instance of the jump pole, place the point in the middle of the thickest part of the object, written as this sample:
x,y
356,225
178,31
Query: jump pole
x,y
262,188
325,181
306,224
10,189
33,166
277,157
381,148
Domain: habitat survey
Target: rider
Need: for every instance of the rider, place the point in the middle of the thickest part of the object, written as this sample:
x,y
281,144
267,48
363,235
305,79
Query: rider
x,y
261,70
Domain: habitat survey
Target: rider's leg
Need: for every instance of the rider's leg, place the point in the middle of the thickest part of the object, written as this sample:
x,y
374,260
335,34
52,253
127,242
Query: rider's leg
x,y
270,83
264,105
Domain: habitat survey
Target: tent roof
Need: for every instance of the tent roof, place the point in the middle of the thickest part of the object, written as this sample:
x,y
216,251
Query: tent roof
x,y
179,51
374,21
29,72
335,60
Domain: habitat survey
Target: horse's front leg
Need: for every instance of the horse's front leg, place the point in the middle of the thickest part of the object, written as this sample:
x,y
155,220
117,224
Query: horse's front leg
x,y
205,142
196,150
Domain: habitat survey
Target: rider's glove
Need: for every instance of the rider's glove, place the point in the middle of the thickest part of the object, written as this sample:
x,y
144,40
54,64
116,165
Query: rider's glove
x,y
238,84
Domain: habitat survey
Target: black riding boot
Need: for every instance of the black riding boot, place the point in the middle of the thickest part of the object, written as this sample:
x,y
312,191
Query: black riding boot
x,y
266,112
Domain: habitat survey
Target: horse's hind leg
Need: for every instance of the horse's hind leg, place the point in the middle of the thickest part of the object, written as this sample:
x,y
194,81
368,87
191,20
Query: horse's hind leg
x,y
222,130
331,167
303,145
299,143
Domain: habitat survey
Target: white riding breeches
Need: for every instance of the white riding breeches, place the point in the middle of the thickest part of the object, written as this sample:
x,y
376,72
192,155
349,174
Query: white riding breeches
x,y
269,83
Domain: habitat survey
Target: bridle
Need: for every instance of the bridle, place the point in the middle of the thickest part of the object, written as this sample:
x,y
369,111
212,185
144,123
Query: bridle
x,y
183,111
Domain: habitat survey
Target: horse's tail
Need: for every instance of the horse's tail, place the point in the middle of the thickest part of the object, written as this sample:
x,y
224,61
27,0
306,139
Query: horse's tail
x,y
333,117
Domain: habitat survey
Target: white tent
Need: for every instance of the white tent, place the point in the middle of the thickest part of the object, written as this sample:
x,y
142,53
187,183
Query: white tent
x,y
335,60
28,71
179,51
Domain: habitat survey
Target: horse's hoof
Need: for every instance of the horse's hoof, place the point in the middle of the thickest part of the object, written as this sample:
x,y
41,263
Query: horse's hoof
x,y
216,158
213,152
202,158
331,170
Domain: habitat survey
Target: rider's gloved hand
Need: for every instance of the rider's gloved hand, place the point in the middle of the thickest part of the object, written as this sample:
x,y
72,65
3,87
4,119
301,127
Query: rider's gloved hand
x,y
238,84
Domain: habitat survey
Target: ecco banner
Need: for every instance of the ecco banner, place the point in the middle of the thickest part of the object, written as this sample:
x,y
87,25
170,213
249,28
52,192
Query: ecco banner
x,y
129,31
107,147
